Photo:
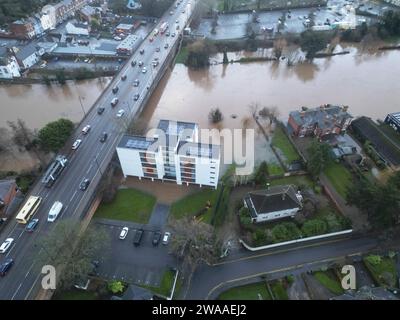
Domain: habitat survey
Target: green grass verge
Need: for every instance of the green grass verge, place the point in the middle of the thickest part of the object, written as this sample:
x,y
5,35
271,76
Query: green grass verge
x,y
247,292
328,282
275,169
193,203
76,294
387,266
339,176
166,284
279,291
182,55
128,205
281,141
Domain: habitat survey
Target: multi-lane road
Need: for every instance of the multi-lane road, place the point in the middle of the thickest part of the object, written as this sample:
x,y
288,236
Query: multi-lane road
x,y
91,158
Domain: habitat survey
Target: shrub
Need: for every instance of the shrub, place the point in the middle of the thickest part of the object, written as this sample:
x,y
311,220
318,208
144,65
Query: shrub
x,y
333,222
285,231
314,227
374,259
116,286
260,237
215,115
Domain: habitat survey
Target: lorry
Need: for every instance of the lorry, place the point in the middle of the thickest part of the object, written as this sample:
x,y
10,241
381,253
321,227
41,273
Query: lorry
x,y
54,211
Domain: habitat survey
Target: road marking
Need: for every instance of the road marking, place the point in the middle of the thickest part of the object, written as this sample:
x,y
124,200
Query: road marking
x,y
15,293
33,285
29,271
21,233
73,196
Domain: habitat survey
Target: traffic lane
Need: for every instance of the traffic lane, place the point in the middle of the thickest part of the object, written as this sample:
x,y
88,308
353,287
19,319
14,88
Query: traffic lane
x,y
207,277
143,264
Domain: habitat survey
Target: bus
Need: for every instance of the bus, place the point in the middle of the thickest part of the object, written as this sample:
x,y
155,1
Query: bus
x,y
29,209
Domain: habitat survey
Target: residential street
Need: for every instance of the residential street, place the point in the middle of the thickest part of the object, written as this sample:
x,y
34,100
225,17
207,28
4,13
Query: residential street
x,y
207,279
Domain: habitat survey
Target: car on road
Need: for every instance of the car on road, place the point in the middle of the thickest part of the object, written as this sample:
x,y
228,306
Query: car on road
x,y
54,211
6,245
183,11
32,225
140,63
167,34
158,49
166,237
115,89
136,97
151,39
123,78
141,51
2,221
171,13
155,63
156,238
86,129
166,46
76,144
136,83
144,70
114,102
138,236
6,266
120,113
103,137
173,34
133,63
177,27
124,233
100,110
84,184
177,21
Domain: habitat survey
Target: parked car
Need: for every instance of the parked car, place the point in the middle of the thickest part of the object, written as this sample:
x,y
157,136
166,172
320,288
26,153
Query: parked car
x,y
120,113
167,34
158,49
6,266
156,238
100,110
6,245
136,97
133,63
166,237
114,102
115,89
124,233
171,13
76,144
123,78
32,225
141,51
84,184
155,63
86,129
166,46
140,63
138,237
136,83
173,34
103,137
144,70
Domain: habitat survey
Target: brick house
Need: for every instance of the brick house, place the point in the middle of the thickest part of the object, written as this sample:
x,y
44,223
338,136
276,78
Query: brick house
x,y
8,191
320,121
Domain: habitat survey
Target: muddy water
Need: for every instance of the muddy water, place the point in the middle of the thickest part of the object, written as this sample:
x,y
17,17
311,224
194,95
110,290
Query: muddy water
x,y
38,104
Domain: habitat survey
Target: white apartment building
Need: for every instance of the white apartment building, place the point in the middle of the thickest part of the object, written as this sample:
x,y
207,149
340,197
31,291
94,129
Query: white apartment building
x,y
9,67
172,154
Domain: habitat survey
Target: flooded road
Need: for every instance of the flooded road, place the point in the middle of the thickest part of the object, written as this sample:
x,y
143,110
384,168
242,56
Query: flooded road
x,y
38,104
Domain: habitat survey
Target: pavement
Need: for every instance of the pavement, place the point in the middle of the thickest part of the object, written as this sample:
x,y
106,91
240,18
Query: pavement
x,y
208,279
90,160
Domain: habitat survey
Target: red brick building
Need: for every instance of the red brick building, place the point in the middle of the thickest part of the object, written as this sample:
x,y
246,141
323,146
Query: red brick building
x,y
8,191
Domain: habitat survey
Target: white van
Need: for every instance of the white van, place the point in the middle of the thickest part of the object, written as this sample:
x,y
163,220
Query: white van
x,y
54,211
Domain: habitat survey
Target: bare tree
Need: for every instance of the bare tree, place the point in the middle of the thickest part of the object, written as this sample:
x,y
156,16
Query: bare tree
x,y
21,134
137,127
279,45
193,242
270,113
5,140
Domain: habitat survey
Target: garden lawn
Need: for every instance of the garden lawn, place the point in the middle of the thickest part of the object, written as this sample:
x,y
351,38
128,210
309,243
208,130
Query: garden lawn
x,y
275,170
182,55
296,180
328,282
247,292
128,205
165,287
339,176
193,203
281,141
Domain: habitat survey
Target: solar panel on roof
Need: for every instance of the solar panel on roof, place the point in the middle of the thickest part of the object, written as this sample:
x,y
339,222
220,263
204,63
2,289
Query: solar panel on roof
x,y
137,144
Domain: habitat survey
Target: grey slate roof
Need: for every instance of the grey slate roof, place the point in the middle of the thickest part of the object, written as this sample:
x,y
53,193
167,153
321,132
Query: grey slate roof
x,y
5,186
326,117
26,51
274,199
137,293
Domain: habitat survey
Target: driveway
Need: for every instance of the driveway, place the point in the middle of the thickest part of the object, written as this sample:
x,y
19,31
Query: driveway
x,y
159,216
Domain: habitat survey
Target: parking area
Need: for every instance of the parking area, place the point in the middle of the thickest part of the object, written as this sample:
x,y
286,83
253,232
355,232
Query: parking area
x,y
141,264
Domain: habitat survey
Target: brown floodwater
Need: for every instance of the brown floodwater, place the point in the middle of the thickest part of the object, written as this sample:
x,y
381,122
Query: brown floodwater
x,y
38,104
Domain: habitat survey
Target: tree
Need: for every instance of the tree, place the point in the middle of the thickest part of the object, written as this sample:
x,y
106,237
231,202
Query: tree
x,y
279,45
95,24
215,115
54,134
311,42
270,113
319,157
193,242
261,175
285,231
70,251
60,76
21,134
116,286
225,59
389,24
199,54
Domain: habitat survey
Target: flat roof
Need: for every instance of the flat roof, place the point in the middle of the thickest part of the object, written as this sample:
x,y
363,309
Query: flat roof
x,y
135,142
198,150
